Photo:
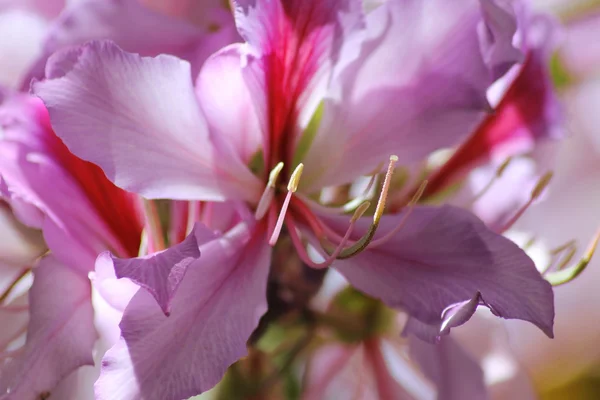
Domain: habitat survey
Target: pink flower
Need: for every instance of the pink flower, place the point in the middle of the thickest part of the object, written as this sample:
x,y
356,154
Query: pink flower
x,y
319,83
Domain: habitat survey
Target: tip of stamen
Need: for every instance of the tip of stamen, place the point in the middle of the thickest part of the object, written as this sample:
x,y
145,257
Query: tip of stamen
x,y
274,174
394,158
295,178
541,185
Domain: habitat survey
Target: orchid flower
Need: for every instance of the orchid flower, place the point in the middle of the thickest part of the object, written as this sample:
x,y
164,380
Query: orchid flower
x,y
319,95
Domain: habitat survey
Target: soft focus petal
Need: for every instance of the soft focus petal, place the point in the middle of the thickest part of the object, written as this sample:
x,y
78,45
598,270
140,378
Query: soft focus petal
x,y
581,51
419,85
151,34
142,126
17,55
216,308
444,256
456,374
19,245
45,8
60,336
162,273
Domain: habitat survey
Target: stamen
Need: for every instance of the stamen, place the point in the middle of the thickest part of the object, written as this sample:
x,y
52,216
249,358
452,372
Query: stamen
x,y
292,187
346,208
363,242
567,275
411,205
496,176
268,193
535,193
300,249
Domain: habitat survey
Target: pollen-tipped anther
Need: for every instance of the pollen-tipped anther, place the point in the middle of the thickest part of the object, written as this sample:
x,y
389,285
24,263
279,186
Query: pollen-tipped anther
x,y
295,178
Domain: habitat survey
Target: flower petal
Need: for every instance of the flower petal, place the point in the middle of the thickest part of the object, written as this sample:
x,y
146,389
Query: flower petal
x,y
161,273
455,373
74,234
216,308
60,336
227,104
151,34
142,126
418,85
444,256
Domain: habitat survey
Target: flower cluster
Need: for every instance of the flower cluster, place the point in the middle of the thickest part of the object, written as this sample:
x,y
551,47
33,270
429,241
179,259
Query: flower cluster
x,y
202,168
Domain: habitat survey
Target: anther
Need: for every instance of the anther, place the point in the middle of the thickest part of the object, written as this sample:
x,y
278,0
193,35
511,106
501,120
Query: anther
x,y
268,193
295,178
292,187
568,274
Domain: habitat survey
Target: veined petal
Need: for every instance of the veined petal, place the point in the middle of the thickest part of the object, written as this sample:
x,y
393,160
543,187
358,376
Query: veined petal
x,y
293,47
142,125
455,373
418,85
216,308
162,273
60,336
444,256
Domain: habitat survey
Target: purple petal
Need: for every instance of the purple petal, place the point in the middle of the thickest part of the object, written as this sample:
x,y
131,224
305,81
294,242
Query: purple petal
x,y
216,308
444,256
496,33
142,126
162,273
418,85
454,372
60,336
